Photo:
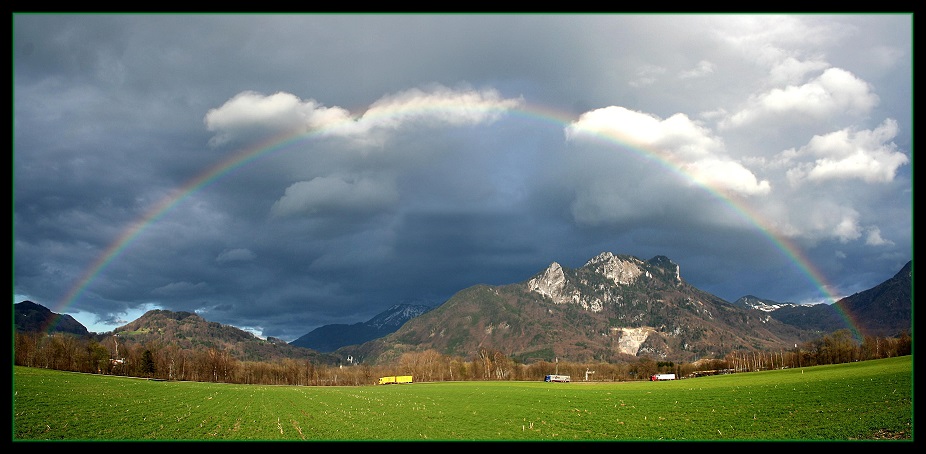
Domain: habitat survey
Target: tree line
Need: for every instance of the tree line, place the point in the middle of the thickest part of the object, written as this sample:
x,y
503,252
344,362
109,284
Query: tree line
x,y
112,356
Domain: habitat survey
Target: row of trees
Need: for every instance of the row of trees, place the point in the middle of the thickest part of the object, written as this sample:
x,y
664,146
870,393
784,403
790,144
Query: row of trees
x,y
111,356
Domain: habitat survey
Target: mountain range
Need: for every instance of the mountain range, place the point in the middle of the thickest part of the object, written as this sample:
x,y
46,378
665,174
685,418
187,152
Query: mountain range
x,y
329,338
881,311
613,308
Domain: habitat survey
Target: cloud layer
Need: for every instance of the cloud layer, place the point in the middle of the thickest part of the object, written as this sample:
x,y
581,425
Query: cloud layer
x,y
282,172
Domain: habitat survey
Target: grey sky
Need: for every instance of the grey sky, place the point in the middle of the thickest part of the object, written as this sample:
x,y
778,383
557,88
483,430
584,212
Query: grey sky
x,y
282,172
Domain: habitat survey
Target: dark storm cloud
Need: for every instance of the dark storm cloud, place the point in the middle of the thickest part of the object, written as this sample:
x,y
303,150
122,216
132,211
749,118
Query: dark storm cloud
x,y
390,158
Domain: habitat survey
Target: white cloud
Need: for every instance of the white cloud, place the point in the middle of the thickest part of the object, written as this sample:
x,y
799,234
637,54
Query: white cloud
x,y
867,155
716,173
827,219
835,92
677,139
792,71
253,116
621,123
441,105
336,194
874,238
770,40
847,229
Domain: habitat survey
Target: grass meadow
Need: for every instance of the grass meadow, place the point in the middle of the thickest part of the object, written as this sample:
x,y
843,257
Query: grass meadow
x,y
867,400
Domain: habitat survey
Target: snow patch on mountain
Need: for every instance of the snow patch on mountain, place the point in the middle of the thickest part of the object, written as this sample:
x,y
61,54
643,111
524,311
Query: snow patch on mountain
x,y
764,305
396,316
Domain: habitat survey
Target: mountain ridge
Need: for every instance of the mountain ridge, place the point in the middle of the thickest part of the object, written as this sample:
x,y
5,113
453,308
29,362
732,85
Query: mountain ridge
x,y
328,338
612,308
890,316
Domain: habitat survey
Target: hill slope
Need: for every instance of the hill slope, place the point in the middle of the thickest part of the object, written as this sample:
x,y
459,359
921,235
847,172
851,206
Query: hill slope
x,y
32,317
884,310
189,331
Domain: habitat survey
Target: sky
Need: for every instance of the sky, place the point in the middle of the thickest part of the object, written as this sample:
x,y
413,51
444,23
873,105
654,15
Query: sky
x,y
282,172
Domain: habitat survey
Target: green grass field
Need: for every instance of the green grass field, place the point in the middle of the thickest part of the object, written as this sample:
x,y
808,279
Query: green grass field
x,y
857,401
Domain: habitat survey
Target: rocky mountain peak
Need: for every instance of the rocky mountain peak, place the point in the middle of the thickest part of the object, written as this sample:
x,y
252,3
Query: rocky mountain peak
x,y
551,282
582,287
668,265
622,271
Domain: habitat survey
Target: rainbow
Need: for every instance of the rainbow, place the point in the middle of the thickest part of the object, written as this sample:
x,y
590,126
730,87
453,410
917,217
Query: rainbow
x,y
282,142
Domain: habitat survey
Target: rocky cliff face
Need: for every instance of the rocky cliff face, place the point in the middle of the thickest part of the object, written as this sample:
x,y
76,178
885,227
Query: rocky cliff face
x,y
630,340
616,270
621,271
551,283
